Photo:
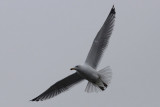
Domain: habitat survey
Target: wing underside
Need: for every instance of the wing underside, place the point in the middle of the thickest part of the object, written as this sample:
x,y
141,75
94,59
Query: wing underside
x,y
59,87
101,40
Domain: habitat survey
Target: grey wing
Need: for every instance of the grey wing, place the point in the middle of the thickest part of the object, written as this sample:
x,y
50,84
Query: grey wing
x,y
59,87
101,40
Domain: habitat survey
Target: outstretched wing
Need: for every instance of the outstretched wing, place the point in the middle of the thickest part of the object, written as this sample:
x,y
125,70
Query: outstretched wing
x,y
59,87
101,40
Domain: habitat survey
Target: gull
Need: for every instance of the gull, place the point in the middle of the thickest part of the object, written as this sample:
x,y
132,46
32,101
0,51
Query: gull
x,y
97,80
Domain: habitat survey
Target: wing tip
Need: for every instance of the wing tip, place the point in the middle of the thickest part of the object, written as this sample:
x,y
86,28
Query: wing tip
x,y
35,99
113,10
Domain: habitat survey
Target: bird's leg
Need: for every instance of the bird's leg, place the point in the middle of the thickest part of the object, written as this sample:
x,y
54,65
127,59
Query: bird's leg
x,y
102,88
105,84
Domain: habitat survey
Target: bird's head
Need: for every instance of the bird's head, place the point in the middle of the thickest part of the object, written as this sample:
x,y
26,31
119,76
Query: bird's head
x,y
78,67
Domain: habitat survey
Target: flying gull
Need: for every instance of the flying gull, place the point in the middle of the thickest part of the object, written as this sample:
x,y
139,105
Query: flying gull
x,y
97,80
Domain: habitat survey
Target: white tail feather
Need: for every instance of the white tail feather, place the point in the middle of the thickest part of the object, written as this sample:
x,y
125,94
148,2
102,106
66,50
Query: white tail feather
x,y
106,75
92,88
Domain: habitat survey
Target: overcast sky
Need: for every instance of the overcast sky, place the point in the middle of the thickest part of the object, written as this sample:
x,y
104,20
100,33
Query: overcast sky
x,y
40,40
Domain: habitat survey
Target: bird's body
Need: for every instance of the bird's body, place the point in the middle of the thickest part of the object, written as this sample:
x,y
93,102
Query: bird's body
x,y
97,80
88,73
94,77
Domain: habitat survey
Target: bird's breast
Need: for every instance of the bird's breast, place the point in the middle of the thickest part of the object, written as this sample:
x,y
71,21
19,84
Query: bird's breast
x,y
90,74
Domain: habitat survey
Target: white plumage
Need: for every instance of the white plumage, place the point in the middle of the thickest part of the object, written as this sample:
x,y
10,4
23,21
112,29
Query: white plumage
x,y
97,80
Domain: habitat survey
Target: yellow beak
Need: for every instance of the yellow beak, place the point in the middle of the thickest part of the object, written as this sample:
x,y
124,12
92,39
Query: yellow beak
x,y
72,69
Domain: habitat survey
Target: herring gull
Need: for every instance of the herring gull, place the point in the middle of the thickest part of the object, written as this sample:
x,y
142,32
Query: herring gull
x,y
97,80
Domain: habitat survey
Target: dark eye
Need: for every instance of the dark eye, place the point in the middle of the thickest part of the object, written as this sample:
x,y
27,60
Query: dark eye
x,y
77,66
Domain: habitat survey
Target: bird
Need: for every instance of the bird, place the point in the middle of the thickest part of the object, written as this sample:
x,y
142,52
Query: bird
x,y
98,80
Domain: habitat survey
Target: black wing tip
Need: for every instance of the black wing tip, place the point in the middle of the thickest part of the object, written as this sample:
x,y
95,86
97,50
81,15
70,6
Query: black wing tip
x,y
35,99
113,10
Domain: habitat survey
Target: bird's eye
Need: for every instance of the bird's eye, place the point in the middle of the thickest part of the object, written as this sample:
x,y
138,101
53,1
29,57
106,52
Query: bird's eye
x,y
77,66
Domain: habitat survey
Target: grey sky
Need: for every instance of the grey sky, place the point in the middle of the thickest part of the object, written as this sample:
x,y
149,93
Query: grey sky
x,y
40,40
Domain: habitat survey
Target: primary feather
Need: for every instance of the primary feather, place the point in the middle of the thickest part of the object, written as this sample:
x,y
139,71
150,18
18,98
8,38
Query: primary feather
x,y
59,87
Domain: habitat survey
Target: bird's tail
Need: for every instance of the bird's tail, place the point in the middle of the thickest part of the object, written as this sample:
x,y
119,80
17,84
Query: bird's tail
x,y
105,75
91,87
101,84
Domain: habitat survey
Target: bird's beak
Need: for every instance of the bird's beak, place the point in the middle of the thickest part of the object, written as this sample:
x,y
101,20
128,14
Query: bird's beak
x,y
72,69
